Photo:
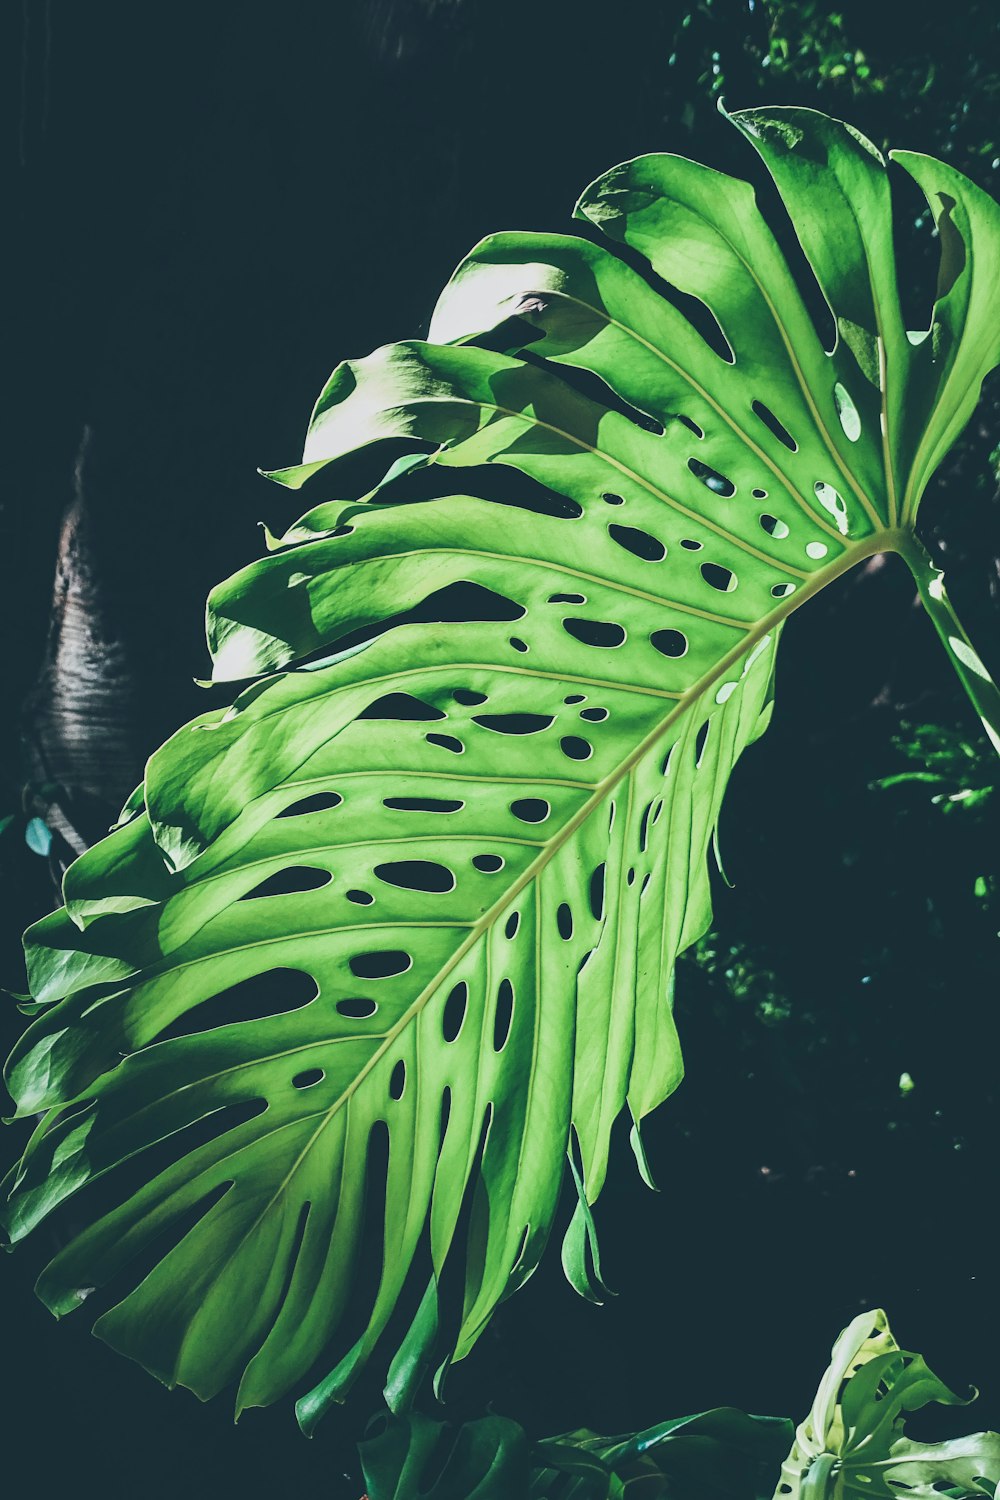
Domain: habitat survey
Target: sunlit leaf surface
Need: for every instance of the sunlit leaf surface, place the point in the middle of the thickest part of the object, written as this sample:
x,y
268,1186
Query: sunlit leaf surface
x,y
378,947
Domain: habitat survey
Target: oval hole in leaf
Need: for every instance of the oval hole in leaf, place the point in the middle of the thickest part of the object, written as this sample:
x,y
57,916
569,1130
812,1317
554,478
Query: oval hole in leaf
x,y
639,543
446,742
531,809
759,494
308,1078
850,417
360,898
385,963
567,599
773,527
402,707
423,804
576,748
488,864
770,421
594,715
514,723
833,502
397,1083
468,697
611,499
782,590
357,1008
318,802
576,698
712,479
603,633
275,993
518,644
564,921
454,1011
670,642
690,546
464,600
417,875
700,741
687,422
597,893
718,577
512,924
503,1015
292,881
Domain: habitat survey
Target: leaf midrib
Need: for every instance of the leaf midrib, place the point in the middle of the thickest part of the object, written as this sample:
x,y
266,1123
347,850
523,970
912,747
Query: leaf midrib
x,y
880,541
601,789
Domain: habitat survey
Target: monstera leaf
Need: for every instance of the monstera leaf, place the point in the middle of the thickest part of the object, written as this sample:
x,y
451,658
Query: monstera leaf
x,y
377,948
482,1460
717,1455
852,1441
850,1445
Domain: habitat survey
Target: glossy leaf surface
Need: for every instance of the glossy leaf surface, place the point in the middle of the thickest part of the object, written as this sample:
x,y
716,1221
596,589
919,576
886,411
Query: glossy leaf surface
x,y
381,945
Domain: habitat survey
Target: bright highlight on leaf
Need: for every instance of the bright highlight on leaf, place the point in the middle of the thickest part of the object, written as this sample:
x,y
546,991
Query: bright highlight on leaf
x,y
378,948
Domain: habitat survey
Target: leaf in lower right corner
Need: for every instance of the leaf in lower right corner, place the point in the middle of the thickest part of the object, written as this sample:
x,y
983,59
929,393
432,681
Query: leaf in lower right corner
x,y
854,1432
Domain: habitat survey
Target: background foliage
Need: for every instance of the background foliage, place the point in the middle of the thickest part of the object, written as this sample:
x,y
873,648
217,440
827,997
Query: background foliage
x,y
214,203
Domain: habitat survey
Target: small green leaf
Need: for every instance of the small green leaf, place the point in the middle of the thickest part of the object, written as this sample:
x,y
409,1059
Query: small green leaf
x,y
38,836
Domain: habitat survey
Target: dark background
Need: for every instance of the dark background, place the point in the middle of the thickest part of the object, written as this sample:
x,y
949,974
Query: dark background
x,y
211,206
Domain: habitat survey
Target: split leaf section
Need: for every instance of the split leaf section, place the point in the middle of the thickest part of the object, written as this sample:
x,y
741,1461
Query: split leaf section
x,y
379,947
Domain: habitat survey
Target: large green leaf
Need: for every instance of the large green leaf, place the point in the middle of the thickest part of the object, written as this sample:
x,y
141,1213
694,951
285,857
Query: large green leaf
x,y
515,666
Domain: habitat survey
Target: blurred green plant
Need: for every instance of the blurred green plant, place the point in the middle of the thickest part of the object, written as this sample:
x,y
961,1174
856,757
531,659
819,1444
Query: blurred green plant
x,y
947,759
